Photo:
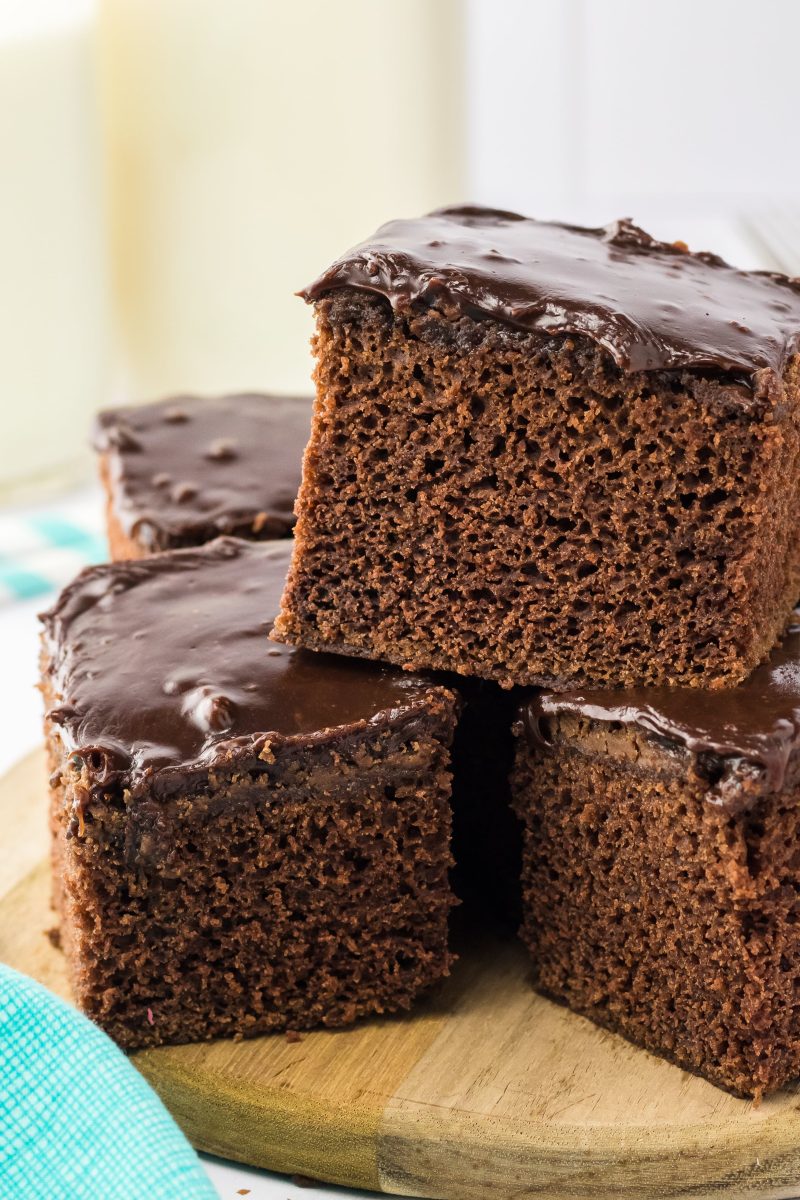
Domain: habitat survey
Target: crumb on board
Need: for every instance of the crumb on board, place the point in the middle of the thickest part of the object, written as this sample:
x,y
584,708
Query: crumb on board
x,y
293,1036
54,936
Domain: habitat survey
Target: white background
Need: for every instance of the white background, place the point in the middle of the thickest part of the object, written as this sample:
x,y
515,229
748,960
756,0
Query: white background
x,y
661,105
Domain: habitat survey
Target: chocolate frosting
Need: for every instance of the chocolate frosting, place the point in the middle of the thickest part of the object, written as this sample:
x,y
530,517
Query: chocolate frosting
x,y
163,666
187,469
651,305
756,723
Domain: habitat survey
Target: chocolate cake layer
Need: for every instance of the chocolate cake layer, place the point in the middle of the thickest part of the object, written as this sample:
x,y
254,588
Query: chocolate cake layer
x,y
756,723
245,837
551,456
182,471
652,305
166,667
660,869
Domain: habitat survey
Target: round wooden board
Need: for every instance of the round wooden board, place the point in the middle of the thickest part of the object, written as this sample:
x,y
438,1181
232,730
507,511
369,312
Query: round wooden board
x,y
487,1090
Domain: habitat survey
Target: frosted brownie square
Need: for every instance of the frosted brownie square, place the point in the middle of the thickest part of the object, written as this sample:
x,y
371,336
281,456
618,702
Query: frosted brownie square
x,y
246,837
549,455
661,871
185,470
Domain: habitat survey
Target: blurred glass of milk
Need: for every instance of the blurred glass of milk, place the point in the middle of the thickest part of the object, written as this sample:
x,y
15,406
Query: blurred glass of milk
x,y
250,143
54,329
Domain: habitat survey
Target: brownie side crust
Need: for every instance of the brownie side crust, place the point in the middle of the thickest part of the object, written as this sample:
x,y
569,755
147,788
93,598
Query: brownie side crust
x,y
660,870
504,503
245,838
281,899
187,469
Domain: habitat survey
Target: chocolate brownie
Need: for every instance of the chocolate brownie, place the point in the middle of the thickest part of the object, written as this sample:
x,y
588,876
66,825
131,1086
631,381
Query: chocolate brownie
x,y
185,470
246,837
661,878
549,455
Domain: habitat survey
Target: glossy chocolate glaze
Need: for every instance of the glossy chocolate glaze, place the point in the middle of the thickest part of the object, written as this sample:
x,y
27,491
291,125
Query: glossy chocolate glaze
x,y
651,305
186,469
163,666
756,723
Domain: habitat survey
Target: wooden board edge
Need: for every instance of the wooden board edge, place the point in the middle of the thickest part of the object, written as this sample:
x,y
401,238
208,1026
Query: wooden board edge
x,y
477,1158
274,1130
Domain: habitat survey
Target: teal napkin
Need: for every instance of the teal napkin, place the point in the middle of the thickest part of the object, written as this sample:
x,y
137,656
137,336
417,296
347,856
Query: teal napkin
x,y
42,548
76,1119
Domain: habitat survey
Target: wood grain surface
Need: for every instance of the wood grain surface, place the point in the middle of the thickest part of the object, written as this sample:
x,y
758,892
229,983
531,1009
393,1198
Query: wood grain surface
x,y
486,1091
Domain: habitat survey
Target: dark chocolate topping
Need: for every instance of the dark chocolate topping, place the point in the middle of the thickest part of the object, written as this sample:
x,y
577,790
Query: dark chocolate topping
x,y
164,665
651,305
757,722
189,468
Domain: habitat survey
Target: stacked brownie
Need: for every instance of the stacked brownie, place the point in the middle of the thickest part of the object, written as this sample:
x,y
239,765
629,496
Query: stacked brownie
x,y
662,866
247,836
552,481
548,455
564,457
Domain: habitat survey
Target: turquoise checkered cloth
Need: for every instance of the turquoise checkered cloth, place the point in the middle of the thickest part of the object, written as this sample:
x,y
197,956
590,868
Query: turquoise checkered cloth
x,y
77,1121
43,548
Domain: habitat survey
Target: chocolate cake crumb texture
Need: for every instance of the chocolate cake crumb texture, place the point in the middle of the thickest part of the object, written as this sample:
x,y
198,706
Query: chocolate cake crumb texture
x,y
246,837
660,866
546,455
